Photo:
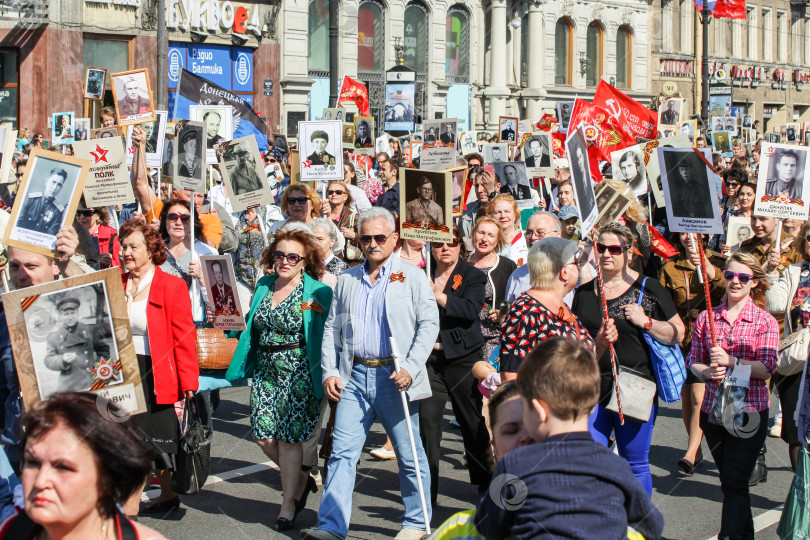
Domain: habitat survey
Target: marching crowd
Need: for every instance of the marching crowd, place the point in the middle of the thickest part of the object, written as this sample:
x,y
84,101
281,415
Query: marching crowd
x,y
520,323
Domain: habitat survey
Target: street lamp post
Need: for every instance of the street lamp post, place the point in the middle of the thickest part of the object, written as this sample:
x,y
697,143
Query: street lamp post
x,y
333,52
704,104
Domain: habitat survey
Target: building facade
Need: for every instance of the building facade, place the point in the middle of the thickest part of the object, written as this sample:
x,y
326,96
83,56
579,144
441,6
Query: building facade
x,y
762,60
474,61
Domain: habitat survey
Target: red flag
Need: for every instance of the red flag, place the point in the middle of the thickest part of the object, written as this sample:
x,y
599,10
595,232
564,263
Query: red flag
x,y
593,163
731,9
546,122
558,144
633,118
601,129
355,92
659,244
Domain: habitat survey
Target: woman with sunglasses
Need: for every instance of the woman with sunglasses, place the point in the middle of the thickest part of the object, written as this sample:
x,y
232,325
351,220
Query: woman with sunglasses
x,y
353,180
459,289
159,313
656,315
504,210
680,278
541,313
790,295
301,203
747,335
281,351
487,240
176,231
338,208
96,221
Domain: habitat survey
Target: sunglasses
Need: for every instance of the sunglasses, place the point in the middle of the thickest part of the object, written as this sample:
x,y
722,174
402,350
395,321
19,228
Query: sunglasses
x,y
271,160
185,218
744,278
19,174
440,245
335,192
733,184
297,200
613,250
380,239
292,258
84,213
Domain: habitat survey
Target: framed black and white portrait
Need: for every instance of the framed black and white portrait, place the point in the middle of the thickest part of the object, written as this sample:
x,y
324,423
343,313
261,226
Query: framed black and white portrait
x,y
364,135
321,152
189,156
496,152
537,154
781,188
220,282
669,112
46,200
689,190
155,132
467,144
133,97
440,132
564,110
576,148
426,199
688,128
81,129
218,120
628,166
95,80
243,174
514,180
508,130
62,128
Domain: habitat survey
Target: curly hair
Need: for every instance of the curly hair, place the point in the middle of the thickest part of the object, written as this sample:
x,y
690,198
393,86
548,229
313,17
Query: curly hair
x,y
103,215
313,260
122,458
504,197
489,220
311,194
164,213
152,239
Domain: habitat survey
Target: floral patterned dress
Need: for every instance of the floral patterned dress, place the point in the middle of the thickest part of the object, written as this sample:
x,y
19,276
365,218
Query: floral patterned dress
x,y
283,405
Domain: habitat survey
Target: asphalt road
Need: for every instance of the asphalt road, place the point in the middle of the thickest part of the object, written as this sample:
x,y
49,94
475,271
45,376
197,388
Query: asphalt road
x,y
242,497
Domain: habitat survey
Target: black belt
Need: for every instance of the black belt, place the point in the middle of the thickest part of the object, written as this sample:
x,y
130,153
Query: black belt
x,y
286,346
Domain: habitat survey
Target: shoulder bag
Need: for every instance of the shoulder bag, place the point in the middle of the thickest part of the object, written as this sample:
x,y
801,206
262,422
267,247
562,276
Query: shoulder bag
x,y
637,394
793,352
668,364
352,251
193,460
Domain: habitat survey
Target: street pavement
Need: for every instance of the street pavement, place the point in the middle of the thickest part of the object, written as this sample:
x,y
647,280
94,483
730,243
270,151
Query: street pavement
x,y
243,493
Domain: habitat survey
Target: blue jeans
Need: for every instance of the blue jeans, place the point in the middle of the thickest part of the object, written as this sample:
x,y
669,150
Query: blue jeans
x,y
633,439
370,395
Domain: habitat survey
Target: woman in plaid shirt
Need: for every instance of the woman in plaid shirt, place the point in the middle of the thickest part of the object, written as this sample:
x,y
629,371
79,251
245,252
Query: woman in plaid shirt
x,y
746,334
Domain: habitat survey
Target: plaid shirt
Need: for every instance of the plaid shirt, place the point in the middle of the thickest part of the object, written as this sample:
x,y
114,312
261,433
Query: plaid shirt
x,y
754,336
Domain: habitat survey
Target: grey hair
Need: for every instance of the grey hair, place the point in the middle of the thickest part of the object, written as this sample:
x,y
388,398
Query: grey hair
x,y
554,219
325,225
376,213
546,259
296,226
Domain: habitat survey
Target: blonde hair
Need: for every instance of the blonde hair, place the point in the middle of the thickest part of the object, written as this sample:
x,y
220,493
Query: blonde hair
x,y
753,264
504,197
313,196
349,198
492,221
635,212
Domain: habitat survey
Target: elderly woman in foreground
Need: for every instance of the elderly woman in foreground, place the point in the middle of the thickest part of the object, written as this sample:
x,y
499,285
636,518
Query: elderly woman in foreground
x,y
80,463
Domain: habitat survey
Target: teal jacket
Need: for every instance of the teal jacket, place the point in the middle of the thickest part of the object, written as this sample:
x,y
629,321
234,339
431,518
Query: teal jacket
x,y
319,297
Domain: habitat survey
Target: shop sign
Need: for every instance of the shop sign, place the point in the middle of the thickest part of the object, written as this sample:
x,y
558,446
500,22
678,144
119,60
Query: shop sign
x,y
213,15
131,3
226,66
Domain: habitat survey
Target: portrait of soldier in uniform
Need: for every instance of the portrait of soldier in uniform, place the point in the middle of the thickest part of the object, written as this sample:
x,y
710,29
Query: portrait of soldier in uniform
x,y
189,159
221,292
243,175
319,155
688,186
94,86
40,211
424,209
73,347
784,174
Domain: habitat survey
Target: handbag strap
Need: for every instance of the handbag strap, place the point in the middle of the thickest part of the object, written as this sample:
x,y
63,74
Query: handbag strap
x,y
641,294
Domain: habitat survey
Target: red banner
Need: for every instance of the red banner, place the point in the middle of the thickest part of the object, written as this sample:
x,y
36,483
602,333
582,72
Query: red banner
x,y
355,92
601,129
660,246
731,9
558,144
546,122
633,118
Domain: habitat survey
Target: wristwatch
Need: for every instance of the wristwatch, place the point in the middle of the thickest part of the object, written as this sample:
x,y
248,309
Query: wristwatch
x,y
648,324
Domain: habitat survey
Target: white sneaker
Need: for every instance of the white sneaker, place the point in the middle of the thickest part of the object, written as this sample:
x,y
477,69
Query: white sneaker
x,y
382,453
410,534
315,473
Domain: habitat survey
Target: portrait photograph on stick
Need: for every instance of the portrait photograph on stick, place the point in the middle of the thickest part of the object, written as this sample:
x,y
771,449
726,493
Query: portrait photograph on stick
x,y
514,180
628,166
46,200
243,174
81,129
62,128
74,335
721,142
133,97
426,204
103,133
189,156
218,121
564,110
155,135
321,152
689,189
467,144
613,210
688,128
364,135
508,130
781,191
651,163
669,112
441,132
348,136
739,230
95,80
537,154
576,149
220,281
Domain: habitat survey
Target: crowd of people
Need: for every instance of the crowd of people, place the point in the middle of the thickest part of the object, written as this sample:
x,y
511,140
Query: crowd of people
x,y
519,321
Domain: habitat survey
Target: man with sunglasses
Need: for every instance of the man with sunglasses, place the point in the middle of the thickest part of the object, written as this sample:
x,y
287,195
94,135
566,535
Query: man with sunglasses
x,y
382,302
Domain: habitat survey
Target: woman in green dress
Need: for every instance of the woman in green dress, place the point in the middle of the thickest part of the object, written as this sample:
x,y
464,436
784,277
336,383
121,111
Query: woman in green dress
x,y
281,351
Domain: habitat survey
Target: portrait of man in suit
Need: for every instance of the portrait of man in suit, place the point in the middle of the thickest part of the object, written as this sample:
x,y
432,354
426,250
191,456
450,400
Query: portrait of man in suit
x,y
513,183
221,292
362,137
538,154
507,131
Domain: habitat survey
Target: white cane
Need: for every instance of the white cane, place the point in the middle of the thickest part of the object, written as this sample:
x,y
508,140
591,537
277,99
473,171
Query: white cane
x,y
395,356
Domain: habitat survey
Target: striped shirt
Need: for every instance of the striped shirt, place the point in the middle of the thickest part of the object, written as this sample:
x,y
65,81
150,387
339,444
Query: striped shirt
x,y
369,322
753,337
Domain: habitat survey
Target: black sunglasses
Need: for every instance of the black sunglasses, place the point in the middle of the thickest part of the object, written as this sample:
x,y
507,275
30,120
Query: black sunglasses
x,y
297,200
379,238
292,258
439,245
84,213
732,184
744,278
613,250
335,192
182,217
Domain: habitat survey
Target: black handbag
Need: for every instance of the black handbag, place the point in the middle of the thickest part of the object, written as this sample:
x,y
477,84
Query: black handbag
x,y
193,460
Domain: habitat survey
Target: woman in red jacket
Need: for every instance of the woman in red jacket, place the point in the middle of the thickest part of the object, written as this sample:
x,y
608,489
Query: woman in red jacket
x,y
97,220
163,334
